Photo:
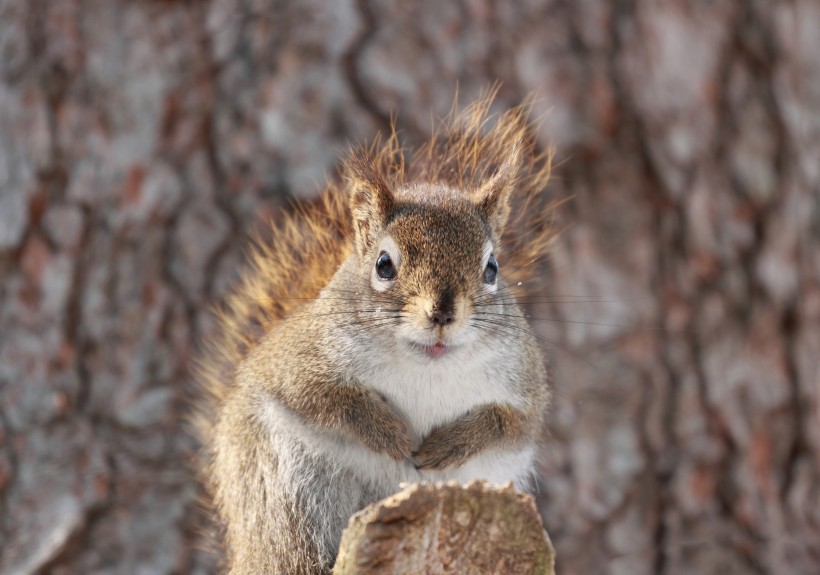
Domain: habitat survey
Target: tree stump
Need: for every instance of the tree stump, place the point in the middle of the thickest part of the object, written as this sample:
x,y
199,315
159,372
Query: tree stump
x,y
448,529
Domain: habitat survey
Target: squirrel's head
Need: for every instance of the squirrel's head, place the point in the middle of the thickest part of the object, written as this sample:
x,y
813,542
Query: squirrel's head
x,y
430,251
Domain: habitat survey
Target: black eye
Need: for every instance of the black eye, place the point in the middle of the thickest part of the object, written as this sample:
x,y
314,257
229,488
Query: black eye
x,y
490,271
385,268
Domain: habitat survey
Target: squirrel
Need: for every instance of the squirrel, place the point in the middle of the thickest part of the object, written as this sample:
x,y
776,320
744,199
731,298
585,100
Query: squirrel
x,y
377,340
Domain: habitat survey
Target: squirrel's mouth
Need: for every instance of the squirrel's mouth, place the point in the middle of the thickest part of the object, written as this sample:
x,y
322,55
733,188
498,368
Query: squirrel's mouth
x,y
435,351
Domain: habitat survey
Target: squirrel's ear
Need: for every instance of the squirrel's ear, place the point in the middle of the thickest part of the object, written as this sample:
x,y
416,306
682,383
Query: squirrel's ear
x,y
371,199
494,195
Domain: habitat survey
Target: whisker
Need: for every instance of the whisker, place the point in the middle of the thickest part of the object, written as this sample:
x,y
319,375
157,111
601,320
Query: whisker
x,y
510,329
559,320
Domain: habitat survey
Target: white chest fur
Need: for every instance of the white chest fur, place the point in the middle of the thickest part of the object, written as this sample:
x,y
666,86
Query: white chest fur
x,y
431,393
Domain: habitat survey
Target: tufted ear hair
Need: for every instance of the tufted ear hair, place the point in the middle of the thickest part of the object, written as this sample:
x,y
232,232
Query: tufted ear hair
x,y
371,199
494,194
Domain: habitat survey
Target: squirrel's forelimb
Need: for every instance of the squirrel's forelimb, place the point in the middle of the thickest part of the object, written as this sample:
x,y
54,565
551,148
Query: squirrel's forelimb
x,y
350,409
483,428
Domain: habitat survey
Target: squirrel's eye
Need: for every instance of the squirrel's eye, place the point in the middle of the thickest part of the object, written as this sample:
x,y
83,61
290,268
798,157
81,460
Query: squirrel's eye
x,y
491,271
385,268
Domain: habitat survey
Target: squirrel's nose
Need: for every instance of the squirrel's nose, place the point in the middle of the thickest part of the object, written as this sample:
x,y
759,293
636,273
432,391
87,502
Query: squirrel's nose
x,y
442,317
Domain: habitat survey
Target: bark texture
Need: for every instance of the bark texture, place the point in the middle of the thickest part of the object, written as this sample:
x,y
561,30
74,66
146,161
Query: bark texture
x,y
448,529
140,140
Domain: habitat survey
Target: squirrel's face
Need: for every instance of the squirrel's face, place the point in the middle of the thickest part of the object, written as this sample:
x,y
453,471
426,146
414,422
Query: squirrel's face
x,y
429,254
434,262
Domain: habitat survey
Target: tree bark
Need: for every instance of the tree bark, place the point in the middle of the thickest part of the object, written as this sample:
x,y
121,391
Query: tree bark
x,y
141,141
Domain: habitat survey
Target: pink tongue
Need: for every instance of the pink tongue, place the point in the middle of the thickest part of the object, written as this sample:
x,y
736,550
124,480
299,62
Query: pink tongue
x,y
436,350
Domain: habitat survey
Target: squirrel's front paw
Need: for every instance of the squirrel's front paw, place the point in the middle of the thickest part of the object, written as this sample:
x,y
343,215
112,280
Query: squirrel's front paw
x,y
388,433
440,450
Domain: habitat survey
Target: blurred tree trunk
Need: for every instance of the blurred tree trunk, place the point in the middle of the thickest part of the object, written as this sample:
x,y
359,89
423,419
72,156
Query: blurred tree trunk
x,y
141,140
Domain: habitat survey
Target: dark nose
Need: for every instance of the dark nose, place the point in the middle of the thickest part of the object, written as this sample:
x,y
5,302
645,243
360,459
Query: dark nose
x,y
442,317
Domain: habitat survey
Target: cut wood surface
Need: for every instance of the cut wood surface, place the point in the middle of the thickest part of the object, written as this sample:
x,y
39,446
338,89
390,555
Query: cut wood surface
x,y
448,529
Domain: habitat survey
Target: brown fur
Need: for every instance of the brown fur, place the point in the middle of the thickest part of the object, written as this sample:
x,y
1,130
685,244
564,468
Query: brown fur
x,y
483,428
465,164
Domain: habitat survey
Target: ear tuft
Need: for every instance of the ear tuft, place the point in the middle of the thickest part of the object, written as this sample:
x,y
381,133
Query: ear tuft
x,y
371,199
494,195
